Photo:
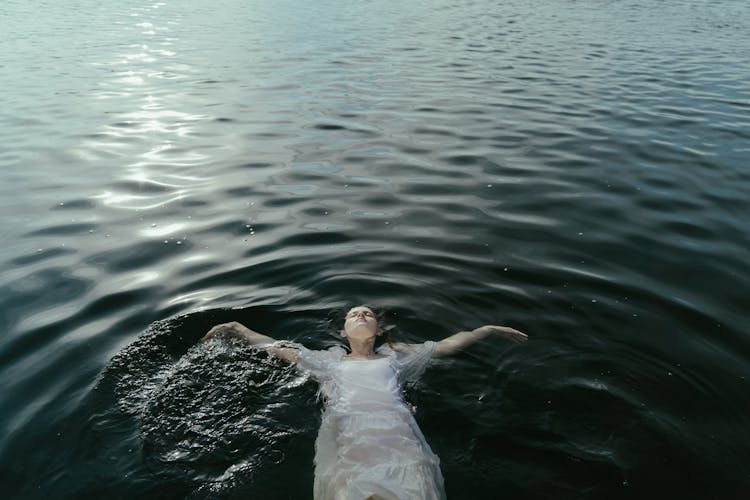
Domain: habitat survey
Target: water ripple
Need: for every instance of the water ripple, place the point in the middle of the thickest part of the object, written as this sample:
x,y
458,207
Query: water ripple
x,y
576,170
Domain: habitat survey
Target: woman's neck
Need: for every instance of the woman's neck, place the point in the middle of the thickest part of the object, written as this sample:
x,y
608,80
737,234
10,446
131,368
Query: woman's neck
x,y
362,348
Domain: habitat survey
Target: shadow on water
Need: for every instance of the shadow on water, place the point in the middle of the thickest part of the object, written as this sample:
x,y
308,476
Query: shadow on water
x,y
174,418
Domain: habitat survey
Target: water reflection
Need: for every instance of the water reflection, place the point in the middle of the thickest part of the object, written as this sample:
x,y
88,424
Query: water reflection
x,y
173,158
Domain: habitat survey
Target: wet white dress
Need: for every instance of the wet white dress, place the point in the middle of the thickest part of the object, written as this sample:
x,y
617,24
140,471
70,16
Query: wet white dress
x,y
369,443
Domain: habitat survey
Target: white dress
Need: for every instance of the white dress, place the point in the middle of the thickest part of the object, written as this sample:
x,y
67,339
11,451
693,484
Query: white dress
x,y
369,443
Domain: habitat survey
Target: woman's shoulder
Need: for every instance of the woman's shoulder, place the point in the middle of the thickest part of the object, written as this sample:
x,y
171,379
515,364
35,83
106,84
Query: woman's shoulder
x,y
336,350
319,362
304,355
330,354
388,349
403,347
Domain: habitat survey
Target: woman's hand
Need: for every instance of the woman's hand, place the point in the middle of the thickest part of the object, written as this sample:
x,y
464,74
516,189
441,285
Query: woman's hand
x,y
239,330
506,332
232,328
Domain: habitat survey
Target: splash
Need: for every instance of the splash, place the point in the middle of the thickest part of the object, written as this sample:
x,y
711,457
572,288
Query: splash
x,y
216,417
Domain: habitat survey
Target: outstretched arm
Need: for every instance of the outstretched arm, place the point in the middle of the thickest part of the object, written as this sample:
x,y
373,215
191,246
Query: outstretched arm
x,y
239,330
458,341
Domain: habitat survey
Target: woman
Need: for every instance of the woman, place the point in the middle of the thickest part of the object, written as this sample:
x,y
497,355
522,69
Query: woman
x,y
369,445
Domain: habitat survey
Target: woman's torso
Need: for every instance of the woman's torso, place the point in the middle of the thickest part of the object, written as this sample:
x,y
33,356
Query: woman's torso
x,y
366,385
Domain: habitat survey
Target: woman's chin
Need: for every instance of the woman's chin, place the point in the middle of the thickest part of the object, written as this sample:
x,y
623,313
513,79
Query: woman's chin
x,y
361,333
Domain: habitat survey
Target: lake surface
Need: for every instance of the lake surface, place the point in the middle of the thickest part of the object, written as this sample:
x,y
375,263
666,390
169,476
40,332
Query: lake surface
x,y
577,170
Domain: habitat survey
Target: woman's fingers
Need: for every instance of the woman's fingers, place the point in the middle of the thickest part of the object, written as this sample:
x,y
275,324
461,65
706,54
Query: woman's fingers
x,y
519,337
515,335
511,333
231,328
209,335
216,330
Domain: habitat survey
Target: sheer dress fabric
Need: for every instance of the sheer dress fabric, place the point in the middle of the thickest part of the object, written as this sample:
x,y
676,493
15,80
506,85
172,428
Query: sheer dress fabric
x,y
369,443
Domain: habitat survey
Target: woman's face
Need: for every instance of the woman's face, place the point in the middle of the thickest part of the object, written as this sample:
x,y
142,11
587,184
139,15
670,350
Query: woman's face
x,y
360,322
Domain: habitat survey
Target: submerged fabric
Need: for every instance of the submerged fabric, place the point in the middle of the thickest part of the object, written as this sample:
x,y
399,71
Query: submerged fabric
x,y
369,443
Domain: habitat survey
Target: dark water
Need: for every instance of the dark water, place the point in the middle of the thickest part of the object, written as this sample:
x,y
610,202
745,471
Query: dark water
x,y
577,170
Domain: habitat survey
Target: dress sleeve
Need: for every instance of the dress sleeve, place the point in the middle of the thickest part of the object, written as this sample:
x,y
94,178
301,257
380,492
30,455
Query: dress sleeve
x,y
318,364
411,360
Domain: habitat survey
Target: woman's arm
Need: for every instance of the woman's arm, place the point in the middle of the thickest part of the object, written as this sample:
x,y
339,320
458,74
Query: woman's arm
x,y
456,342
239,330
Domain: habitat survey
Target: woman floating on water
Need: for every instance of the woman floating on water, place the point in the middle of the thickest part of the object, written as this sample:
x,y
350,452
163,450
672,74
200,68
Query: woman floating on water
x,y
369,445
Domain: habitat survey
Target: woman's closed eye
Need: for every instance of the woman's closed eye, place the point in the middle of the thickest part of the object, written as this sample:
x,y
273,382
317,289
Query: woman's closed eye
x,y
365,313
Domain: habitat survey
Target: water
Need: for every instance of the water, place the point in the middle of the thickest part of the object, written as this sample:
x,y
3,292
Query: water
x,y
577,170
